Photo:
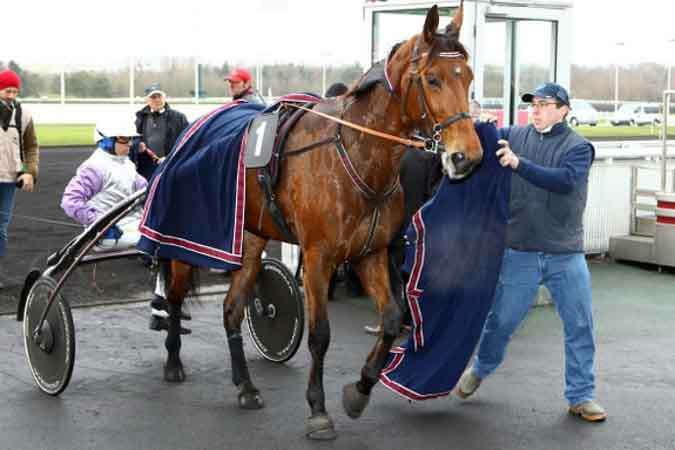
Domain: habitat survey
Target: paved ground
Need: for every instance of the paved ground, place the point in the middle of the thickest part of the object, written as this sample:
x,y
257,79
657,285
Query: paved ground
x,y
117,399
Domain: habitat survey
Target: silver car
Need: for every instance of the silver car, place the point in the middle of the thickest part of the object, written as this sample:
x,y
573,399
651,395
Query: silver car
x,y
582,113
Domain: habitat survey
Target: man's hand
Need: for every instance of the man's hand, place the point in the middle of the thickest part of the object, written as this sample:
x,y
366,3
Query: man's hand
x,y
142,148
27,182
506,155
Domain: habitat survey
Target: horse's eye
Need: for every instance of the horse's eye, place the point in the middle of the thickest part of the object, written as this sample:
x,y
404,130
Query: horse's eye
x,y
457,71
433,81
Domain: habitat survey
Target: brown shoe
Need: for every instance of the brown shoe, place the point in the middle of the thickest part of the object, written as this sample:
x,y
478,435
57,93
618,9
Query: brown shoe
x,y
467,384
589,410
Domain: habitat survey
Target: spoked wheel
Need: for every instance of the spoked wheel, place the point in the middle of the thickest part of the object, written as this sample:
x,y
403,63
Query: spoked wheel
x,y
51,349
276,313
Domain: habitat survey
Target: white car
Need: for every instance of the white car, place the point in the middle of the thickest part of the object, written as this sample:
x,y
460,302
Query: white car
x,y
637,114
582,113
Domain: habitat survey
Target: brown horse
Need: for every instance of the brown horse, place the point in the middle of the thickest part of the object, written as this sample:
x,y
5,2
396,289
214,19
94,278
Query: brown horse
x,y
331,217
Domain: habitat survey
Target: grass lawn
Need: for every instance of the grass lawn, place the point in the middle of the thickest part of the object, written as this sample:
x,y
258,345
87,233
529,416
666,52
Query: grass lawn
x,y
67,135
608,131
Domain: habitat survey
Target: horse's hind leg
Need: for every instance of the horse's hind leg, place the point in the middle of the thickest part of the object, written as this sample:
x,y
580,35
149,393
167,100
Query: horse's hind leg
x,y
179,282
317,274
374,274
241,289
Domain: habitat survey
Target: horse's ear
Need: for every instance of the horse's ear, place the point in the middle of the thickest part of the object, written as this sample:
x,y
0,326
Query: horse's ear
x,y
456,25
431,25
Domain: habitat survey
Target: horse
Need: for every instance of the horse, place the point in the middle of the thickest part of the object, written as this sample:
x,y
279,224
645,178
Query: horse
x,y
346,205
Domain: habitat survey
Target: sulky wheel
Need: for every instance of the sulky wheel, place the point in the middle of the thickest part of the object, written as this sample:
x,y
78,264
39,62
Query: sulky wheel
x,y
51,349
276,313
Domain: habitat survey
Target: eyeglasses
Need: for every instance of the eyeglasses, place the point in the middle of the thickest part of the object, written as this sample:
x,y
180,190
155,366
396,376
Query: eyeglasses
x,y
124,140
541,105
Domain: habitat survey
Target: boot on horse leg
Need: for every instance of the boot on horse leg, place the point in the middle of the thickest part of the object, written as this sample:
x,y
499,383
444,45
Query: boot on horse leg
x,y
243,281
318,271
179,282
374,275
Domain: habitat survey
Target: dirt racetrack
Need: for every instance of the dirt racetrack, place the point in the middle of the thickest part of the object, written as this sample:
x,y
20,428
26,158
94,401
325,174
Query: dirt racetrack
x,y
39,227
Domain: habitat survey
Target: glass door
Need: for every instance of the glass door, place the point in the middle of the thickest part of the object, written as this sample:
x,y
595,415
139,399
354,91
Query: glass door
x,y
519,56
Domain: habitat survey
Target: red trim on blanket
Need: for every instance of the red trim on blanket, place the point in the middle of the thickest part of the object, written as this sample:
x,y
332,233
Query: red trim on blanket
x,y
154,235
414,292
399,388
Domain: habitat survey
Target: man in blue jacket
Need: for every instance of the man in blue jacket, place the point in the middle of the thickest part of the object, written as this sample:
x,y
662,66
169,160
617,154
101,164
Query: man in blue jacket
x,y
544,245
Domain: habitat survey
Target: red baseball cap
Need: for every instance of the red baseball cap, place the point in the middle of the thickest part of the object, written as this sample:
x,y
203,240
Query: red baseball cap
x,y
239,74
9,78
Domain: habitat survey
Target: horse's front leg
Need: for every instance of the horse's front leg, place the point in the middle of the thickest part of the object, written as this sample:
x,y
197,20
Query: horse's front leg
x,y
373,271
317,273
179,282
241,288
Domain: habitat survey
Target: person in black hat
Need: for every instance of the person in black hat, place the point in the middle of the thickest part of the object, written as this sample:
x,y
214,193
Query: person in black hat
x,y
545,245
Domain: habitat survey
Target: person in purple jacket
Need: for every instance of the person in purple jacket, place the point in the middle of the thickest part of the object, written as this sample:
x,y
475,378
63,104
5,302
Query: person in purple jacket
x,y
103,180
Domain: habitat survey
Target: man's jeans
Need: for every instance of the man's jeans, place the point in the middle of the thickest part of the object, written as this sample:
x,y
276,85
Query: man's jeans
x,y
7,193
567,278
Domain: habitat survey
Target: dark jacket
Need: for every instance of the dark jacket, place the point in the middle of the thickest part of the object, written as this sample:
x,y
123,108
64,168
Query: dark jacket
x,y
176,122
251,96
548,195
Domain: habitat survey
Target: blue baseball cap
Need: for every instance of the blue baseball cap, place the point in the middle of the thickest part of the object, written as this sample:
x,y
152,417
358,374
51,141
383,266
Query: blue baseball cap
x,y
548,90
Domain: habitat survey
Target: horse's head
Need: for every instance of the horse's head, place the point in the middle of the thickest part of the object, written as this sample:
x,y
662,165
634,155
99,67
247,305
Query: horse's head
x,y
430,71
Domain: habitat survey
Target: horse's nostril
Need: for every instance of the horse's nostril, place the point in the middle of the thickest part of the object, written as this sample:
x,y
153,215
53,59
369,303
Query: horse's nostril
x,y
458,158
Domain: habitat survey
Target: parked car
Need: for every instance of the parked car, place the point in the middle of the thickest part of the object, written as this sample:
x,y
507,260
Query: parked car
x,y
637,114
582,113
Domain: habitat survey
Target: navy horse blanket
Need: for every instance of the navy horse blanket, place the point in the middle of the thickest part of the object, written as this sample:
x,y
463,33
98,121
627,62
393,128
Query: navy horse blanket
x,y
194,211
455,246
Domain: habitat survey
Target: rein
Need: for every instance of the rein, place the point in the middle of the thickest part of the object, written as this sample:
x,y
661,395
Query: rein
x,y
418,143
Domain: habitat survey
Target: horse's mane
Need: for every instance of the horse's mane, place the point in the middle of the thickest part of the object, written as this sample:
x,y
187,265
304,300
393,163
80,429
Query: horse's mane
x,y
443,42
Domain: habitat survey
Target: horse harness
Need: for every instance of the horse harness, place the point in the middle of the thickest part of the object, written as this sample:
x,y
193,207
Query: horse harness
x,y
428,141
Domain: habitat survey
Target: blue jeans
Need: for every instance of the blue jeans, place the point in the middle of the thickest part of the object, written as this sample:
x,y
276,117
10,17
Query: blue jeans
x,y
567,278
7,192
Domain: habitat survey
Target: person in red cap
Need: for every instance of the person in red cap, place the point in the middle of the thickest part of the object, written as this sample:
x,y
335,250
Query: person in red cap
x,y
19,151
241,86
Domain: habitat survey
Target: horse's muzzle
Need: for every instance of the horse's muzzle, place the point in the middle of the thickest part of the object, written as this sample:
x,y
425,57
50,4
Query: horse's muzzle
x,y
457,165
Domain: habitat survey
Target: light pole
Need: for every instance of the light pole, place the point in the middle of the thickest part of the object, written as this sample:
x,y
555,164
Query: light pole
x,y
616,76
671,43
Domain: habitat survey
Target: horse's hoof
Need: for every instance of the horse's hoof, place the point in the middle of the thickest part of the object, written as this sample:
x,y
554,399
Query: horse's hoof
x,y
174,374
353,401
251,400
320,427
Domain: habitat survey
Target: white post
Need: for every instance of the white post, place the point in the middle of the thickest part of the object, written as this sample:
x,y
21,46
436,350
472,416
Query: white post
x,y
132,69
323,78
63,85
616,86
197,82
669,62
616,75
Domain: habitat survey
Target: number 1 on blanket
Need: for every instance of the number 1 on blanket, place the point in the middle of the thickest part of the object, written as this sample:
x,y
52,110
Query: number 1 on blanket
x,y
260,132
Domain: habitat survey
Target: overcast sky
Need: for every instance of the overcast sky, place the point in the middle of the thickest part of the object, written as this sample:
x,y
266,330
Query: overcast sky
x,y
300,31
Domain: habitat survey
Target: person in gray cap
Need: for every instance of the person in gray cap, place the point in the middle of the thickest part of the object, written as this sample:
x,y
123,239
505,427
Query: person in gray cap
x,y
544,241
160,125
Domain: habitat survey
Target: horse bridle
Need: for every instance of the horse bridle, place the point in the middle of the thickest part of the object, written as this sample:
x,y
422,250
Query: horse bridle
x,y
432,140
